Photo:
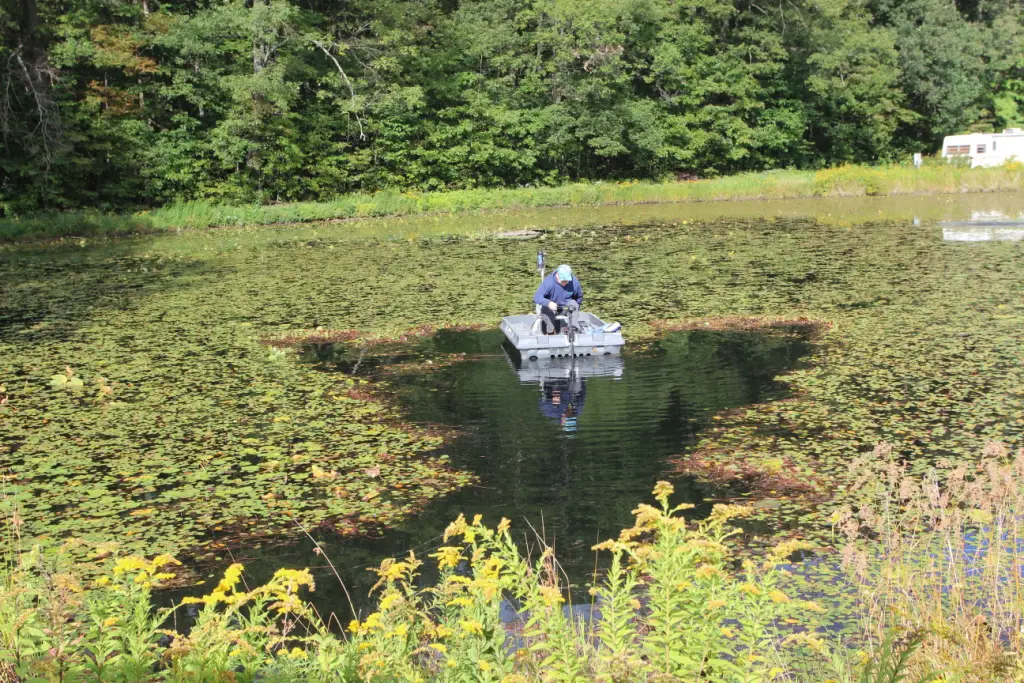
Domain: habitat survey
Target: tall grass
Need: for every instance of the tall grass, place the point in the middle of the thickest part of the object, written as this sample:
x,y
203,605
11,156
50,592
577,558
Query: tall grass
x,y
942,555
839,182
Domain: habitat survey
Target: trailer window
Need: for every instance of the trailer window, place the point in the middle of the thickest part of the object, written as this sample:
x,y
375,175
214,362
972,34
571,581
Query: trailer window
x,y
994,145
955,150
981,149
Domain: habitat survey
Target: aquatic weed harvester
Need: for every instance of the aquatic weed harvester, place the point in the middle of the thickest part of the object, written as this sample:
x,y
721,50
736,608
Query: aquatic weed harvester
x,y
584,334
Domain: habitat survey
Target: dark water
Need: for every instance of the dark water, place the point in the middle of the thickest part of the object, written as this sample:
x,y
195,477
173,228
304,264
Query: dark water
x,y
565,452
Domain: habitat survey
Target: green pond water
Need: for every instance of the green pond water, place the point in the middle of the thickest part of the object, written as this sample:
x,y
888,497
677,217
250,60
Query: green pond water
x,y
190,435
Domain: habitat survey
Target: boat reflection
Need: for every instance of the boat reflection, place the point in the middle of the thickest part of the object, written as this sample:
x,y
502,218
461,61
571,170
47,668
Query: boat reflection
x,y
985,226
563,382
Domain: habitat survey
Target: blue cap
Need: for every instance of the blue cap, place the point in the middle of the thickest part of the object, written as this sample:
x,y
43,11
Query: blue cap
x,y
564,273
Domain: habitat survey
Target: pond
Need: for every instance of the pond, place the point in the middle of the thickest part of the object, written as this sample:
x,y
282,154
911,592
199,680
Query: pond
x,y
562,448
202,429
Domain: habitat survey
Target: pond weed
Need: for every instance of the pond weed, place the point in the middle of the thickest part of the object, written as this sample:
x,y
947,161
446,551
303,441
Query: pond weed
x,y
204,432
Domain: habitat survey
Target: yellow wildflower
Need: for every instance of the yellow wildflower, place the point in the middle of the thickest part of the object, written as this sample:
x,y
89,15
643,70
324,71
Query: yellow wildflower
x,y
389,600
492,567
485,666
750,589
778,596
235,652
456,528
103,581
448,556
782,551
551,596
806,640
504,525
478,520
646,515
707,571
716,604
442,631
232,575
489,587
727,632
472,626
440,647
132,563
162,560
297,653
723,513
292,579
109,621
400,631
813,607
353,626
372,622
662,490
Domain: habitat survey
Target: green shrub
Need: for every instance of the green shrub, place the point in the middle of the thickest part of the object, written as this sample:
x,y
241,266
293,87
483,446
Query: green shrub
x,y
671,609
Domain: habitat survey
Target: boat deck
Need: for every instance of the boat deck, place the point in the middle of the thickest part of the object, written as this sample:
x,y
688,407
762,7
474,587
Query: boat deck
x,y
523,333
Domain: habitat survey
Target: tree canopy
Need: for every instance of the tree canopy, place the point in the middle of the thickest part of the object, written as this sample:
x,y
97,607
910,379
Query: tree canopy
x,y
119,104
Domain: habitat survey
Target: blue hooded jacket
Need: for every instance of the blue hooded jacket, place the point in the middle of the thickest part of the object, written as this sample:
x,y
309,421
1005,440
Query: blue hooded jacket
x,y
550,290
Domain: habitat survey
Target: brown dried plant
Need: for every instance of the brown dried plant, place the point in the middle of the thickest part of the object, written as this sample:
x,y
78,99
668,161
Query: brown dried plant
x,y
942,551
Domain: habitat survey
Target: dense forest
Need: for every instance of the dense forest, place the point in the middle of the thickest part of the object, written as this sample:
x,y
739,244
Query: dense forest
x,y
120,104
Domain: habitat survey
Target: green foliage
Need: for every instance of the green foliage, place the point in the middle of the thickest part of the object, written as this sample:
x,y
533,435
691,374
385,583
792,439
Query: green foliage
x,y
842,181
893,662
138,105
54,627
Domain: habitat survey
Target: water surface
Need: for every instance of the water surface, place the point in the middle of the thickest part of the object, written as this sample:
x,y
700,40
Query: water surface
x,y
563,449
214,447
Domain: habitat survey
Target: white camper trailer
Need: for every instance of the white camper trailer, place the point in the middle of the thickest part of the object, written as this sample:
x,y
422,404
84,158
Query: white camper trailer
x,y
985,149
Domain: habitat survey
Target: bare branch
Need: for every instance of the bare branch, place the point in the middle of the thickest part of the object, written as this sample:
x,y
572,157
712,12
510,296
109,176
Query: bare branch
x,y
344,77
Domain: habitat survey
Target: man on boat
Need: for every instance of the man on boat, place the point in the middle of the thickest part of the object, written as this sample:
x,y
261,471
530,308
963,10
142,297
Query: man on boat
x,y
561,289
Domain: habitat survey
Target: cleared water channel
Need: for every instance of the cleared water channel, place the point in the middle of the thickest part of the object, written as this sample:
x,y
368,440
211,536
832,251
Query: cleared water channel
x,y
565,449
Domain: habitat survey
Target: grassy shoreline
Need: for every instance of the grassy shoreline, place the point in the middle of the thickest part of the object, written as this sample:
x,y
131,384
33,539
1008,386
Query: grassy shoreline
x,y
846,181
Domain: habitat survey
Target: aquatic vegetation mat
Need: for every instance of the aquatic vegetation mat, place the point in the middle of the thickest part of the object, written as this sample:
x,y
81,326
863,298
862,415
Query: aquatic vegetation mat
x,y
187,432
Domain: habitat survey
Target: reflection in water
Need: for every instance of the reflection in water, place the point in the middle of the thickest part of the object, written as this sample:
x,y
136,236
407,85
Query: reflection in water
x,y
985,226
982,234
563,382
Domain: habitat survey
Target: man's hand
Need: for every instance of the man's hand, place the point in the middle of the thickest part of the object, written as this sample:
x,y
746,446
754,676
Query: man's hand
x,y
553,306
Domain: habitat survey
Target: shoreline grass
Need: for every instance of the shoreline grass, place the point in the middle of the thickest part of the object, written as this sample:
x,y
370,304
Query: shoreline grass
x,y
845,181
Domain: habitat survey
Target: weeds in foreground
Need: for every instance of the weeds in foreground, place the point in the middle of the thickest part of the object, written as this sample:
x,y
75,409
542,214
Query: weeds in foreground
x,y
937,560
942,558
671,608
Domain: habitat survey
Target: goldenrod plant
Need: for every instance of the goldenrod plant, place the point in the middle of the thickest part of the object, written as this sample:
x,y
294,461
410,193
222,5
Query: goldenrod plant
x,y
670,608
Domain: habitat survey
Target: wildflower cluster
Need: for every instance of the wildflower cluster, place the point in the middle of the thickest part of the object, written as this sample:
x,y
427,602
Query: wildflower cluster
x,y
671,607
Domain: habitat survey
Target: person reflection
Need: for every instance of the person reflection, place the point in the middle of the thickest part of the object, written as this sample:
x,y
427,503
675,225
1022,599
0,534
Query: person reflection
x,y
562,401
